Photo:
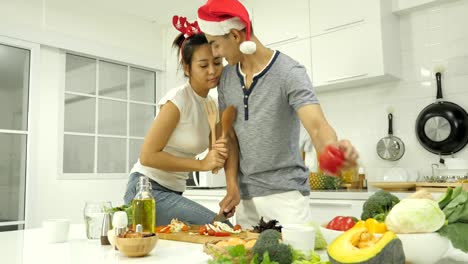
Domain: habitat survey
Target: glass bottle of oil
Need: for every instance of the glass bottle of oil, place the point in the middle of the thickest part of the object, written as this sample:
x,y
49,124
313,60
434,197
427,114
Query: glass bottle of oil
x,y
144,207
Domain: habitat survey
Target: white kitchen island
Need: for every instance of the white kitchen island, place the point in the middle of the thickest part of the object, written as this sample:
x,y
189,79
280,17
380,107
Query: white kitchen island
x,y
29,247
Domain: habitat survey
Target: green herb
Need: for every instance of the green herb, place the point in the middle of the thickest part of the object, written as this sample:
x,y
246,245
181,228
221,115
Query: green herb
x,y
300,258
454,204
126,208
457,233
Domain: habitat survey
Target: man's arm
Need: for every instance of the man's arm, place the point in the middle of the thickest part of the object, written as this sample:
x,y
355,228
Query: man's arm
x,y
322,134
231,167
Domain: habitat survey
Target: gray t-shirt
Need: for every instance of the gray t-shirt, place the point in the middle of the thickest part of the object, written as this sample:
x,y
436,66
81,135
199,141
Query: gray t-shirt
x,y
267,125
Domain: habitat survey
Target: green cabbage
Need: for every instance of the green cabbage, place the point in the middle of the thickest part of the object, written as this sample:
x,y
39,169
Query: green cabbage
x,y
415,216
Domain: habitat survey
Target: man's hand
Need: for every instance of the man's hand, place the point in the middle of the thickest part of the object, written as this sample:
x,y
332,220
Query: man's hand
x,y
350,153
229,203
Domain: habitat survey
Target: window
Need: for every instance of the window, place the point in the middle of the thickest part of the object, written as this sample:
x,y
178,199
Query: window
x,y
15,65
108,108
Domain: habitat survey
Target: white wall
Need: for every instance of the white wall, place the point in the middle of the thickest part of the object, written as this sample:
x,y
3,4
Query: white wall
x,y
429,37
66,25
85,29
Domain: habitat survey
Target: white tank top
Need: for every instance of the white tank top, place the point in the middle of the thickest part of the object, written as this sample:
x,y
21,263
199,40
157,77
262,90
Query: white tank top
x,y
189,138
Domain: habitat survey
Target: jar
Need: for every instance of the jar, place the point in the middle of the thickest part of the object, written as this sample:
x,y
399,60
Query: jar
x,y
93,213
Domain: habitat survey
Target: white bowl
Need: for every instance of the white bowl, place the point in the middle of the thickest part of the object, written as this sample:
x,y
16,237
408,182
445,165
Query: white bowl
x,y
424,248
329,234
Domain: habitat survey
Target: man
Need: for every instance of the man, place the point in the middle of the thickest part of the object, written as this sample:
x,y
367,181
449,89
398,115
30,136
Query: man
x,y
272,94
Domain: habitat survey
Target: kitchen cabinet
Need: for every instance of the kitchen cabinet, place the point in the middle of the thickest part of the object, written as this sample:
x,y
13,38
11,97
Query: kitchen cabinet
x,y
352,45
324,210
330,15
280,21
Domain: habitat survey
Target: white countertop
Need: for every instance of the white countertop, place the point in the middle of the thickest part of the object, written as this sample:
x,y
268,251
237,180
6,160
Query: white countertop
x,y
29,247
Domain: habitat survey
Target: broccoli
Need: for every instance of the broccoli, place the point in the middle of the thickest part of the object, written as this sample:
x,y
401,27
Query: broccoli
x,y
379,205
269,241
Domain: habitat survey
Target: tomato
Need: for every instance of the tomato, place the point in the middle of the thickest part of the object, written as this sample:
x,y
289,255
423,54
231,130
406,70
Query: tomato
x,y
237,227
202,230
221,234
342,223
211,232
331,160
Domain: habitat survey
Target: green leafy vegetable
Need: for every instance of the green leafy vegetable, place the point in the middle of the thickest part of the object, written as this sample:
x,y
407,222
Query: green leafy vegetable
x,y
454,205
415,216
457,233
444,200
457,209
320,242
126,208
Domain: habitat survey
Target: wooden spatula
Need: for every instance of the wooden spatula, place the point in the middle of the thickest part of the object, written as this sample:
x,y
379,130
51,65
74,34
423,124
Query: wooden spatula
x,y
227,119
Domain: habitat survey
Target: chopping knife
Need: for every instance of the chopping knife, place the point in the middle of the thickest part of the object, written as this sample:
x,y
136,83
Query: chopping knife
x,y
220,217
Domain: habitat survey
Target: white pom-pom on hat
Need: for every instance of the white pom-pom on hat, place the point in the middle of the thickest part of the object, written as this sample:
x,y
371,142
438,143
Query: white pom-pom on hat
x,y
248,47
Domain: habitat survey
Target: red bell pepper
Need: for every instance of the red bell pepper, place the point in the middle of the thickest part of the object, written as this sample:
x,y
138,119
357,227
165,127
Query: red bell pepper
x,y
342,223
331,160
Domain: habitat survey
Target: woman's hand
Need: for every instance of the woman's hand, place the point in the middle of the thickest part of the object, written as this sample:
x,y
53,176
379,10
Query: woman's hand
x,y
212,160
221,145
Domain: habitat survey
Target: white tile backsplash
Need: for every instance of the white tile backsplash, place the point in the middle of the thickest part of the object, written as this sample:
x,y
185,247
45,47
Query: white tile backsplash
x,y
429,38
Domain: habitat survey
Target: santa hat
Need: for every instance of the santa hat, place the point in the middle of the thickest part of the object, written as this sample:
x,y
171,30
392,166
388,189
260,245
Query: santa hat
x,y
218,17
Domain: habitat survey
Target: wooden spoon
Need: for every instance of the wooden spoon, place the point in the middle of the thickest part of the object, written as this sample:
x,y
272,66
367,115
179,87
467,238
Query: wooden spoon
x,y
227,119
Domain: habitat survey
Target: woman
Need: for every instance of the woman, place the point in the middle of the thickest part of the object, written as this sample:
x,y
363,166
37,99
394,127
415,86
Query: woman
x,y
180,132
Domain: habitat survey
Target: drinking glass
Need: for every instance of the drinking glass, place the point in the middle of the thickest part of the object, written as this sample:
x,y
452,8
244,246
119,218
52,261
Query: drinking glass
x,y
93,216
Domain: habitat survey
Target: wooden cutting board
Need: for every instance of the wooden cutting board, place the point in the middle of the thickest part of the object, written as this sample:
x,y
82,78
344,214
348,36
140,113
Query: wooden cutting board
x,y
192,236
394,186
439,187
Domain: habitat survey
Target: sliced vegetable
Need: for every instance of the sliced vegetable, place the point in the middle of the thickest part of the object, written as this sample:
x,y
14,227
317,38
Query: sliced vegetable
x,y
341,223
359,246
372,225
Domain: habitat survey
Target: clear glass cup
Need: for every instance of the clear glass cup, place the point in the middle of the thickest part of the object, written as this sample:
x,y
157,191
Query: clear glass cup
x,y
93,216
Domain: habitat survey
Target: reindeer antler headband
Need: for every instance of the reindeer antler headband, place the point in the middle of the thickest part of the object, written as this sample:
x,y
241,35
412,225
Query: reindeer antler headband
x,y
185,27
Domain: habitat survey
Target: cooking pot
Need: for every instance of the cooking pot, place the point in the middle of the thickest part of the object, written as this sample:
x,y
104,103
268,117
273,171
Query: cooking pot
x,y
442,127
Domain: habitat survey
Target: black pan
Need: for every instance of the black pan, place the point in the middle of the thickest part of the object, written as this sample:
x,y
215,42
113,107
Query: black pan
x,y
442,127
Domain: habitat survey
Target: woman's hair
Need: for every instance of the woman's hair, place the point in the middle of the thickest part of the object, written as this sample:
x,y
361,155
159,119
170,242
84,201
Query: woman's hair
x,y
187,47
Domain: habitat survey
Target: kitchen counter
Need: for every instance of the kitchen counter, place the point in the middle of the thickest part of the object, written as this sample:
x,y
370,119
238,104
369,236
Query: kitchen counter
x,y
28,247
322,194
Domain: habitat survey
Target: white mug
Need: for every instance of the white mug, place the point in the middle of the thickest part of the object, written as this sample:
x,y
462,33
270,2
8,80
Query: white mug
x,y
299,236
56,230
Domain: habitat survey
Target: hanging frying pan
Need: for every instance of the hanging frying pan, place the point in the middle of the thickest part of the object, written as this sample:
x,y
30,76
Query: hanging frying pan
x,y
442,127
390,147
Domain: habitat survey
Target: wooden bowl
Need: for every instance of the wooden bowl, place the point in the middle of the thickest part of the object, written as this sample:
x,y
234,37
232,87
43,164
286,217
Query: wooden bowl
x,y
136,247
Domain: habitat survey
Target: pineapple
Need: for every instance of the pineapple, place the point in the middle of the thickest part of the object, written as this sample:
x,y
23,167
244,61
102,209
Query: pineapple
x,y
323,182
316,181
